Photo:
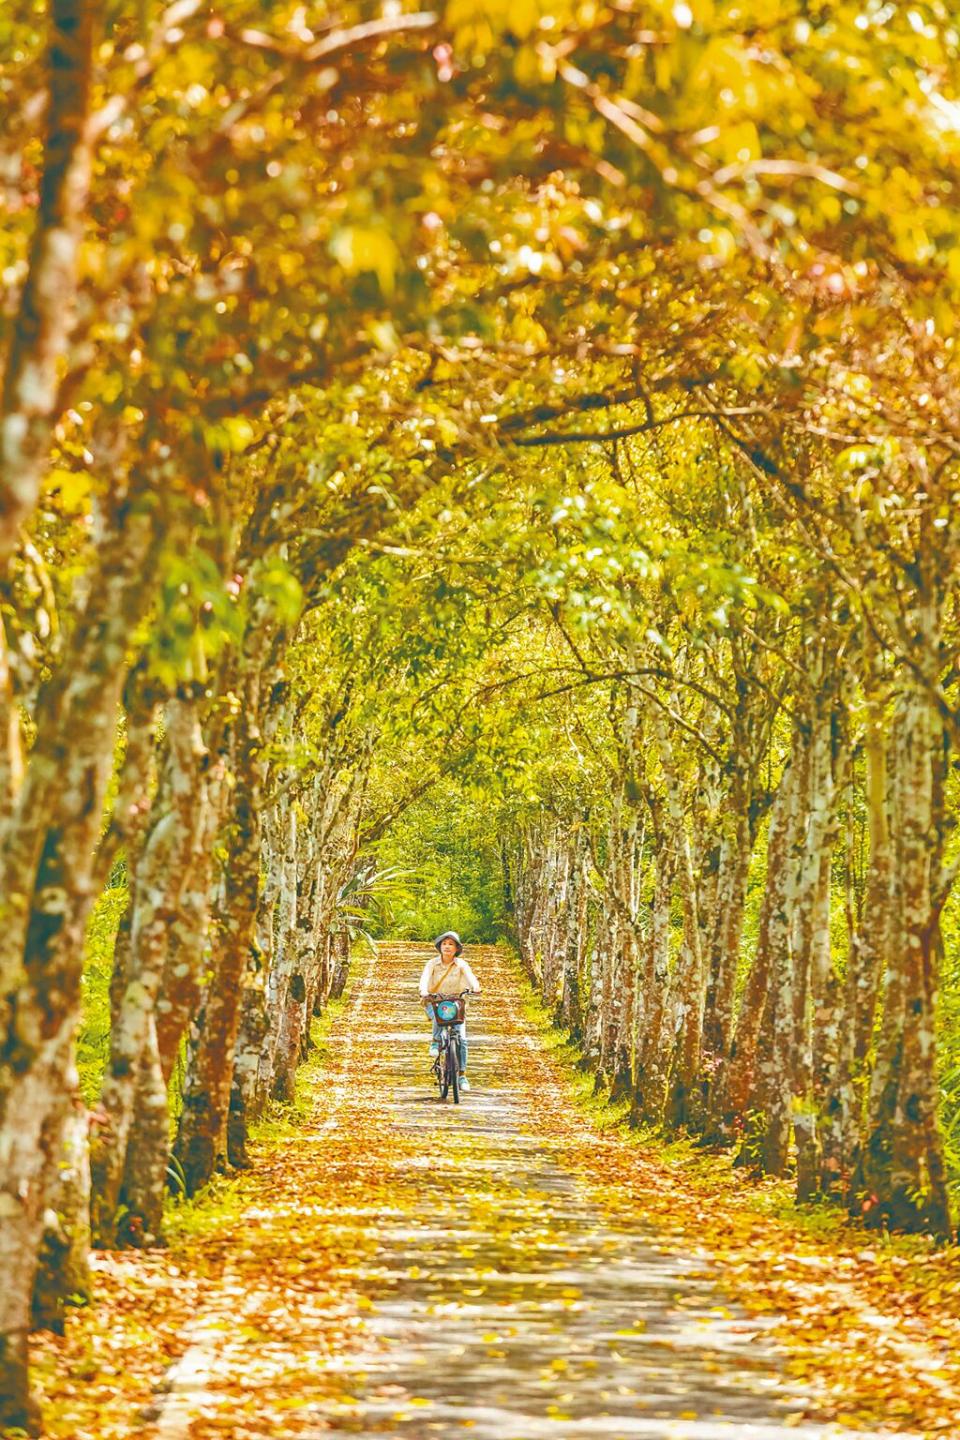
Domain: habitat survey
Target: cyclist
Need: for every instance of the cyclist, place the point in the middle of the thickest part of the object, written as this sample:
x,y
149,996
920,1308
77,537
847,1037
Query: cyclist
x,y
449,974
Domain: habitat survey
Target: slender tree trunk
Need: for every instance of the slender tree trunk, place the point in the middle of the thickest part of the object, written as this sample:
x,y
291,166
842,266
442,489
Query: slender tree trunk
x,y
147,1160
201,1144
147,1152
622,1067
688,990
869,947
48,863
562,895
160,875
45,318
246,1099
655,1044
63,1272
201,1138
254,1050
11,741
774,1090
290,999
189,933
571,1007
737,1080
813,969
903,1164
734,869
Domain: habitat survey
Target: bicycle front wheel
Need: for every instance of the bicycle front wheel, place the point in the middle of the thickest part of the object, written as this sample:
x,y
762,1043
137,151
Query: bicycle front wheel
x,y
453,1067
446,1070
450,1075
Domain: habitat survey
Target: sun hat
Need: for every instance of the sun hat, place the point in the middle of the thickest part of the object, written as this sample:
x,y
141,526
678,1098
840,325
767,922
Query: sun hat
x,y
448,935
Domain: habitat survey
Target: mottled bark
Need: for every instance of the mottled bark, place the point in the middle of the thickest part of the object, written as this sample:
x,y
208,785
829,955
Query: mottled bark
x,y
160,875
621,912
246,1100
48,864
147,1154
569,1008
201,1144
45,318
553,927
11,741
130,816
621,1064
340,965
655,1041
734,1083
844,1101
812,966
308,858
733,868
773,1083
688,986
63,1272
189,934
288,1001
903,1169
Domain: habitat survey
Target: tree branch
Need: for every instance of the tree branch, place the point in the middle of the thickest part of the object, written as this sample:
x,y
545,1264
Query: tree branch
x,y
642,427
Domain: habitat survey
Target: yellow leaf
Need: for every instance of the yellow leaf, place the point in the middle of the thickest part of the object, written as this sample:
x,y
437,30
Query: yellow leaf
x,y
359,249
74,487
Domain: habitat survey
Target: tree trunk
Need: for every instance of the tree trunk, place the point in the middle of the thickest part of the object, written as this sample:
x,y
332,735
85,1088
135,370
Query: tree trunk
x,y
45,318
63,1272
48,863
201,1144
189,933
688,989
735,1082
655,1043
777,1073
160,875
147,1154
813,970
724,958
868,950
11,740
571,1004
903,1164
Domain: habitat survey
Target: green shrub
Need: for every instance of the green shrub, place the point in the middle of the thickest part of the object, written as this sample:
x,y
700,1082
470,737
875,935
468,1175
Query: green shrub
x,y
93,1041
449,846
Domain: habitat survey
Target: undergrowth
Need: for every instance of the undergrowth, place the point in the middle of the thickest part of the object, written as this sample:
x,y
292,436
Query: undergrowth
x,y
93,1039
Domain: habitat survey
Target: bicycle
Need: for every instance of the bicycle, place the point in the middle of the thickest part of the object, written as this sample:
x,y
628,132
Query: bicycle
x,y
448,1011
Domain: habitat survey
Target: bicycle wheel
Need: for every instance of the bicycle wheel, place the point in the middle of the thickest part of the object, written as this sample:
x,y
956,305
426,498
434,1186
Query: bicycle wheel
x,y
453,1067
446,1070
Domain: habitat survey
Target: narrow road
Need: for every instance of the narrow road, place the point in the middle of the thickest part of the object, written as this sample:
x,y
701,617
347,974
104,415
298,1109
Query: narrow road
x,y
487,1291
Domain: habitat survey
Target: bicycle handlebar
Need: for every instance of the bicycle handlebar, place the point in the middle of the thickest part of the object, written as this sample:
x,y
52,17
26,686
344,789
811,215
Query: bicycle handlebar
x,y
463,993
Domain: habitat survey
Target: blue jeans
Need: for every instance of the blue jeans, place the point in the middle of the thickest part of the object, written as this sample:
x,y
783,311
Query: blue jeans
x,y
461,1030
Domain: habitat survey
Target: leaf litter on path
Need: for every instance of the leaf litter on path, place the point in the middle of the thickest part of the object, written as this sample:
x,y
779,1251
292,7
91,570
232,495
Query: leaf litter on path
x,y
398,1267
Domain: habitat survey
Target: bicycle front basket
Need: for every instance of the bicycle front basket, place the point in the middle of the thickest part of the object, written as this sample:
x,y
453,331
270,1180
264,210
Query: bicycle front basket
x,y
447,1009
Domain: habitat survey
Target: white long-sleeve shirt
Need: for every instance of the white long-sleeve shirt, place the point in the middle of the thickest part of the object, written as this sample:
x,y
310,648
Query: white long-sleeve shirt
x,y
434,981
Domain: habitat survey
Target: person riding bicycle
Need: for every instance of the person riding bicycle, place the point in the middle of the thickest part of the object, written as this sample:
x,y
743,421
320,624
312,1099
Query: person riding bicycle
x,y
449,974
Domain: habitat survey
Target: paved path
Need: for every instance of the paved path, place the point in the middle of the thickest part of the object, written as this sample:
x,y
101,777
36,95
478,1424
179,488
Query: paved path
x,y
492,1296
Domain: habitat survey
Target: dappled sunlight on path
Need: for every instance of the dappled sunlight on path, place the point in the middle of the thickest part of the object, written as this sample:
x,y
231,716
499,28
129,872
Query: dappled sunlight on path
x,y
410,1268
